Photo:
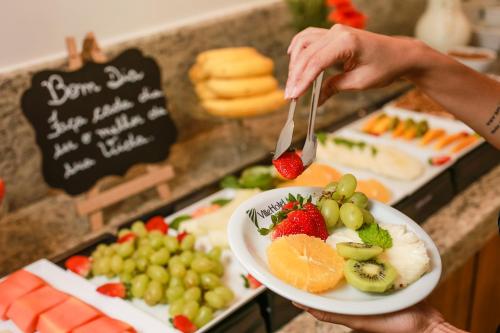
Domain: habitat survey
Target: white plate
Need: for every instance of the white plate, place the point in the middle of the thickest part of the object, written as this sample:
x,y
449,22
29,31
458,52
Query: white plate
x,y
250,247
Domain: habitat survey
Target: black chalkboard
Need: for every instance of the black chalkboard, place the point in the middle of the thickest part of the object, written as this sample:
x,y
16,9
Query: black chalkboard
x,y
99,120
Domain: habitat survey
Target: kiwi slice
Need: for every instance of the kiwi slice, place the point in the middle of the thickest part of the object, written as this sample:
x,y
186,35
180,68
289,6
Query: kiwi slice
x,y
374,276
358,251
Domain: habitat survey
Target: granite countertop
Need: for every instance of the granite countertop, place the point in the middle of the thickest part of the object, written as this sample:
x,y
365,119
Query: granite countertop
x,y
459,229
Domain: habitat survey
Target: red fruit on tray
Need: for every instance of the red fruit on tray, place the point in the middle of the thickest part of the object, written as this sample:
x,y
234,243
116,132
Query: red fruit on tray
x,y
183,324
289,165
439,160
15,286
157,223
253,282
127,237
181,236
80,265
114,289
305,221
289,205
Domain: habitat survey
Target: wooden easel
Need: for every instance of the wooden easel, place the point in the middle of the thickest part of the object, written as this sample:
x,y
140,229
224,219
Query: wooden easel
x,y
155,176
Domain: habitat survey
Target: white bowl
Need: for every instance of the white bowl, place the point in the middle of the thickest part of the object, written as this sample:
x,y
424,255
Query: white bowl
x,y
479,64
250,247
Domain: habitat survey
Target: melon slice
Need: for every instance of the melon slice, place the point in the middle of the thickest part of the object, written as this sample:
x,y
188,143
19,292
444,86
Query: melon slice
x,y
66,316
24,312
105,325
14,286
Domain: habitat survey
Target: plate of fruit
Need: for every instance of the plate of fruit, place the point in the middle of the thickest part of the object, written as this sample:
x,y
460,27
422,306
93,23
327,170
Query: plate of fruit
x,y
334,250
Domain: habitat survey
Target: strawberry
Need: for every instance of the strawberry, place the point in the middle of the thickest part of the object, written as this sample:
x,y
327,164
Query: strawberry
x,y
439,160
114,289
183,324
304,221
289,165
250,282
80,265
157,223
289,205
181,236
130,236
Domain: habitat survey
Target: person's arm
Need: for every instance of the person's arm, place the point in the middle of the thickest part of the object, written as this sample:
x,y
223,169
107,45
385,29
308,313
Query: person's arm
x,y
420,318
372,60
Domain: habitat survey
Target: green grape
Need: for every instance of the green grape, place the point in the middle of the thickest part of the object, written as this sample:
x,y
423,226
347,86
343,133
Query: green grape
x,y
218,268
331,187
337,197
114,247
191,279
202,265
215,253
129,266
126,249
175,260
139,285
158,273
101,248
176,282
154,293
108,252
126,277
104,265
214,300
192,294
143,241
205,315
176,307
188,243
116,264
123,232
209,281
160,257
359,199
347,185
141,264
145,251
139,229
174,293
177,269
96,255
190,309
330,212
226,293
367,216
171,243
96,267
351,216
187,257
156,240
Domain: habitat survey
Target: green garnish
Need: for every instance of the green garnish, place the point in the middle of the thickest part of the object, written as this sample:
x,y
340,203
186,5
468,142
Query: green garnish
x,y
322,136
230,182
221,202
373,234
178,220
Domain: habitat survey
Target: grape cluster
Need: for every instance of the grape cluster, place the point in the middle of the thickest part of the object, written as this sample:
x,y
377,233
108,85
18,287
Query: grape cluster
x,y
340,203
160,269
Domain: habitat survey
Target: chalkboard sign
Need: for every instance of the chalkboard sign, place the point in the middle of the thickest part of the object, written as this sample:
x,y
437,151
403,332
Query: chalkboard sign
x,y
99,120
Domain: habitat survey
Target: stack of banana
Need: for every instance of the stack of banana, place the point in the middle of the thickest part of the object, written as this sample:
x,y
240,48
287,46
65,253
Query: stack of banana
x,y
236,82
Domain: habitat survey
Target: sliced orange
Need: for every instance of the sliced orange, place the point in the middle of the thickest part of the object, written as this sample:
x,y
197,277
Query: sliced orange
x,y
315,175
374,189
305,262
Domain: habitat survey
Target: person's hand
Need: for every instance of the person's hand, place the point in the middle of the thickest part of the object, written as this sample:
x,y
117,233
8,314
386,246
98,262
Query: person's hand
x,y
420,318
369,60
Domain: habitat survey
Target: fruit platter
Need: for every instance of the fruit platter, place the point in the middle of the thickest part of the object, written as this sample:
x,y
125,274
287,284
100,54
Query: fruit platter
x,y
334,250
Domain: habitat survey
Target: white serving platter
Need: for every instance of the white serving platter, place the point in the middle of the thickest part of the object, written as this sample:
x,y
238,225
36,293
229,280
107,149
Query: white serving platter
x,y
250,249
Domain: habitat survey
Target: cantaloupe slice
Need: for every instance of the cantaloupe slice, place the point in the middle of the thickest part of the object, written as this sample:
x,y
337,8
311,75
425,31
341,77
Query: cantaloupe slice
x,y
105,325
14,286
66,316
24,312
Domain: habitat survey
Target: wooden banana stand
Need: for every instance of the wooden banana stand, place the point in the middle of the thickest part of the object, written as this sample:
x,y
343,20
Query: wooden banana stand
x,y
150,176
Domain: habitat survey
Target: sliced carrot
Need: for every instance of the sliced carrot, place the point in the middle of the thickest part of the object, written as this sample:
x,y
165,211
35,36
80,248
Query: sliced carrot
x,y
205,210
432,135
399,130
449,139
367,127
464,143
410,133
381,126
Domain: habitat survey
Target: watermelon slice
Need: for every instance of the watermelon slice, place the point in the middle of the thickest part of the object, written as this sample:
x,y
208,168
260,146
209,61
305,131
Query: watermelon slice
x,y
66,316
24,312
104,325
14,286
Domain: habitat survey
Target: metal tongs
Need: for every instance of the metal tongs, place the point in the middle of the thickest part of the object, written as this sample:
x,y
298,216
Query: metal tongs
x,y
285,138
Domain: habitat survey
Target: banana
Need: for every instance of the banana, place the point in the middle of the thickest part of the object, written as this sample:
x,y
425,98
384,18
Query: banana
x,y
239,68
228,53
203,92
247,106
242,87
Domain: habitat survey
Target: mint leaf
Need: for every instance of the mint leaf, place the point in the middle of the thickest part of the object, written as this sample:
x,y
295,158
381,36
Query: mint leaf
x,y
373,234
178,220
221,202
